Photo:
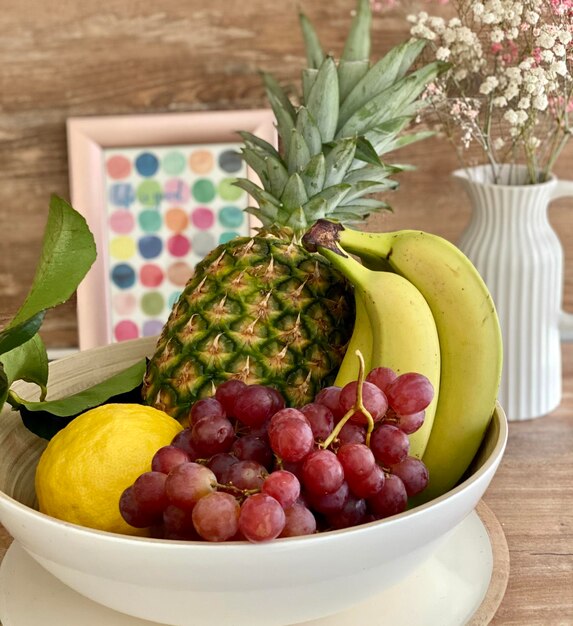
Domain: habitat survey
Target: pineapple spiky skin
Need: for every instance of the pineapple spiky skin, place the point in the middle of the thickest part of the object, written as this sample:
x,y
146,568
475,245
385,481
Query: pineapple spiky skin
x,y
261,309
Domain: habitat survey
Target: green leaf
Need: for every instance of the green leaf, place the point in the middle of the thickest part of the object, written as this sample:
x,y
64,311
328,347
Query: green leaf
x,y
278,176
349,74
4,386
314,52
297,220
380,76
322,102
307,127
260,215
273,87
338,160
390,102
314,175
21,333
259,165
44,419
366,152
357,46
367,187
267,202
298,153
294,195
260,146
369,172
94,396
333,196
366,204
284,113
28,362
308,77
68,251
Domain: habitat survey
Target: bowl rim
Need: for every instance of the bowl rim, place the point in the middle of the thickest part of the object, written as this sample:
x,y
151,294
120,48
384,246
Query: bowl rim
x,y
279,544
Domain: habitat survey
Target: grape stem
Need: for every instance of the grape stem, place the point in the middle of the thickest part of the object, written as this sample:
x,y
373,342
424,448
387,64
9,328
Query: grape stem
x,y
237,490
358,407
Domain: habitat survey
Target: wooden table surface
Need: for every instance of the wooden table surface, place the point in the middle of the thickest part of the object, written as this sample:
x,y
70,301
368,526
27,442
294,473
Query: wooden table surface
x,y
532,497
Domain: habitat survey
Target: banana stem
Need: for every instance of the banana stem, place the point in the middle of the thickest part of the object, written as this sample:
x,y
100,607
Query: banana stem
x,y
357,407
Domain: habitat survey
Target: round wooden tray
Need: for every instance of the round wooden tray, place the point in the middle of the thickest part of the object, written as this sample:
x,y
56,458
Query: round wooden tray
x,y
500,574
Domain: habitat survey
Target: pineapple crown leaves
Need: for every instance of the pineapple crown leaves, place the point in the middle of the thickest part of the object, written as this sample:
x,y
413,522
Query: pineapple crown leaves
x,y
331,144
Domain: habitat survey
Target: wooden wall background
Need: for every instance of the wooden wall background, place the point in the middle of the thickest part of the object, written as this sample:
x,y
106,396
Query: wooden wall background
x,y
63,58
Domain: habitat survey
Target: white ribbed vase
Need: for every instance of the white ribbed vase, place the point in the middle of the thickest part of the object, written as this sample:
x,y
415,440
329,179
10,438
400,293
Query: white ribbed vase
x,y
513,246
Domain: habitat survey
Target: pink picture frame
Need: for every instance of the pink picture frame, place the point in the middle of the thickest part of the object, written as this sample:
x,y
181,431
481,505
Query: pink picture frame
x,y
93,143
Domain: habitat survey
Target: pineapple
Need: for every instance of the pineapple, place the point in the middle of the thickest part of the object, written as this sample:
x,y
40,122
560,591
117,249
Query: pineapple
x,y
263,309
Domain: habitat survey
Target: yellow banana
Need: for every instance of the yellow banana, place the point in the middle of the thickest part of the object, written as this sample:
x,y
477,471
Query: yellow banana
x,y
401,332
470,342
361,339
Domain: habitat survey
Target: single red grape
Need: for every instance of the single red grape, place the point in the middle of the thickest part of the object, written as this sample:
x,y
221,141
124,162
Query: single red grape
x,y
252,448
226,393
219,464
206,407
390,500
291,438
254,405
410,393
373,400
352,433
246,475
133,513
261,518
212,435
216,516
322,472
413,473
299,521
184,440
367,486
329,396
381,377
320,418
188,483
283,486
168,457
352,513
389,444
356,459
329,502
178,524
149,493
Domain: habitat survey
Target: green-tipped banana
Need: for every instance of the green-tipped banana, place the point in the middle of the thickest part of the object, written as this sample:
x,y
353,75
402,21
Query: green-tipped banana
x,y
470,342
402,329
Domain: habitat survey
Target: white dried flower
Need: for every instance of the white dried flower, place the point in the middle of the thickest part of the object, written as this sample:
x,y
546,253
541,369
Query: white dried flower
x,y
540,102
500,102
443,54
545,40
510,116
559,67
498,143
488,85
524,103
531,17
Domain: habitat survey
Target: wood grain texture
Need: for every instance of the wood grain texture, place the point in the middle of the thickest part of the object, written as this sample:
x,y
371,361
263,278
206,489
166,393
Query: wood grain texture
x,y
63,58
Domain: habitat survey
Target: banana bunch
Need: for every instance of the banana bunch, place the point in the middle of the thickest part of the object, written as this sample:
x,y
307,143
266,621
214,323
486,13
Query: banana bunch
x,y
421,306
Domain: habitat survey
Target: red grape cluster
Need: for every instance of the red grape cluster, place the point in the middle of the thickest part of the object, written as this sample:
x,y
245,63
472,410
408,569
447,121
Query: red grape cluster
x,y
248,467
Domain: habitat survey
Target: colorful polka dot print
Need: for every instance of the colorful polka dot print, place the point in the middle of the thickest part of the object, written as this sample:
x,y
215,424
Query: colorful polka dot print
x,y
167,207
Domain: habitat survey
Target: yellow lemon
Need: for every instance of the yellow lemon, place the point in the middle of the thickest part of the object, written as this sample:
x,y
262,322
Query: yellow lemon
x,y
87,465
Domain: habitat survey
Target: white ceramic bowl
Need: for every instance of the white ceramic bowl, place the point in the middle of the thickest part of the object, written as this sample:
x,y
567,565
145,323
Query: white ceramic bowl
x,y
277,583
